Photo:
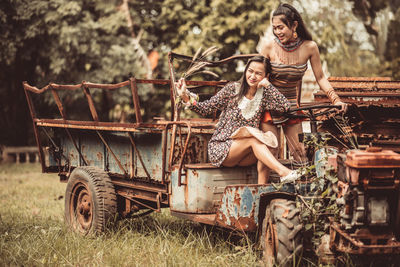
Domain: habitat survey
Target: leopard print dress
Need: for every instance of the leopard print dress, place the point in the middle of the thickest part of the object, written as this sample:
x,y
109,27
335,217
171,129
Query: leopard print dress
x,y
236,114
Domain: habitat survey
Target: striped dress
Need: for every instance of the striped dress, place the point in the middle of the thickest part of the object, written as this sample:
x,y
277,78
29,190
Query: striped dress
x,y
286,75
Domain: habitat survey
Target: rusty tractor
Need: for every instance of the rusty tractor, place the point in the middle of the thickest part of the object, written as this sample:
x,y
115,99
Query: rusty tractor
x,y
118,169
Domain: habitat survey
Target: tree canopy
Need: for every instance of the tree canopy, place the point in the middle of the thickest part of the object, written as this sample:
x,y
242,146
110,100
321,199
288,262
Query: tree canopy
x,y
65,41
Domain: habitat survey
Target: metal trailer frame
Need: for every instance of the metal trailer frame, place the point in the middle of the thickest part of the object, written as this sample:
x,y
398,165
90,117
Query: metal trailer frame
x,y
145,192
239,204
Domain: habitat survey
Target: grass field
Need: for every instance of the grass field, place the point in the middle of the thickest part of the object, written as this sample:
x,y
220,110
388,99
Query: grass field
x,y
33,233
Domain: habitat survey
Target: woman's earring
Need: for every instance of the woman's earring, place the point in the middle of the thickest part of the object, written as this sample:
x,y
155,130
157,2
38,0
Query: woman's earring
x,y
295,35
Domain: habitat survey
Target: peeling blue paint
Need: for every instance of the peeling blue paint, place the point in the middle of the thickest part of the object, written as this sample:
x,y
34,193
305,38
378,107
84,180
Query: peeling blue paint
x,y
242,202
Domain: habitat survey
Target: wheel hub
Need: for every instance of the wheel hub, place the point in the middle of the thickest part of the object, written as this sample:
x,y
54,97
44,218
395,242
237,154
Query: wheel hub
x,y
82,207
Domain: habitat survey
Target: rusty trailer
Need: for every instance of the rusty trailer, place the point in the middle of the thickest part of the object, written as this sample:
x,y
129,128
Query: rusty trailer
x,y
148,165
116,169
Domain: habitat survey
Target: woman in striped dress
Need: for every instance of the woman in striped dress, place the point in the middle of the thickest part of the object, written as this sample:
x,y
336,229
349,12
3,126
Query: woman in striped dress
x,y
289,53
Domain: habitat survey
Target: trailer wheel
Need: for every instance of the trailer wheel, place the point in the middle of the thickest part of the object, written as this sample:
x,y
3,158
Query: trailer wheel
x,y
90,200
281,233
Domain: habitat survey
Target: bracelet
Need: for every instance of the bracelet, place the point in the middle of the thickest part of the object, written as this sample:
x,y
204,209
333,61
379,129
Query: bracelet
x,y
332,96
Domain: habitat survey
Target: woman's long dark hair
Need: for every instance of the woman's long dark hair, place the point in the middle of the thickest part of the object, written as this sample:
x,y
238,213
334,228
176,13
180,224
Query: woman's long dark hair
x,y
290,16
244,86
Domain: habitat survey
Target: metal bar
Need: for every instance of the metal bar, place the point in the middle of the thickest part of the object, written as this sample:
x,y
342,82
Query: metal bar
x,y
172,86
138,153
173,137
91,104
359,79
183,156
362,94
76,146
55,86
143,187
201,218
59,104
140,203
92,125
172,148
164,154
132,165
282,143
35,128
63,115
34,89
158,201
112,153
105,86
135,99
104,126
357,245
174,111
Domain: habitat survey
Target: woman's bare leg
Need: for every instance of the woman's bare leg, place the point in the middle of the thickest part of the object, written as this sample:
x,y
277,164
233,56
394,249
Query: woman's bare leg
x,y
241,148
264,171
296,148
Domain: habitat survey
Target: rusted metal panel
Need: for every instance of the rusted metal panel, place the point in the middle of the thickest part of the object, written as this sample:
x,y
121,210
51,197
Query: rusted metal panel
x,y
380,91
98,153
150,148
239,207
119,152
71,155
372,157
374,117
202,188
92,150
362,242
201,218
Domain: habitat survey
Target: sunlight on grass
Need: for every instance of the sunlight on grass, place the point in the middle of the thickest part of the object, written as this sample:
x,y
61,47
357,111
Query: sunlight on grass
x,y
32,232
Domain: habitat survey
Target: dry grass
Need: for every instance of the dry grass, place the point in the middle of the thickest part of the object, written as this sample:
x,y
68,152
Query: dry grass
x,y
33,233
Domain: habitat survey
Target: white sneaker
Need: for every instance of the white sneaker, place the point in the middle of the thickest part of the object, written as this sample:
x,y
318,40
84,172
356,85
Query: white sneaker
x,y
291,177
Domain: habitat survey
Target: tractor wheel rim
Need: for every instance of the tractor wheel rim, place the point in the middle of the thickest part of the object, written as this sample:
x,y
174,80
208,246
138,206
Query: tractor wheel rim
x,y
82,207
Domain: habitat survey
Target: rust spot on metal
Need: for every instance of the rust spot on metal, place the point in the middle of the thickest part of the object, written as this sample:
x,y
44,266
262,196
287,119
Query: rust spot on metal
x,y
374,117
201,218
362,242
195,173
243,223
186,194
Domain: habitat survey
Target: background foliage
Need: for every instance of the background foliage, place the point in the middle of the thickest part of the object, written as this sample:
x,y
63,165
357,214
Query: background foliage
x,y
102,41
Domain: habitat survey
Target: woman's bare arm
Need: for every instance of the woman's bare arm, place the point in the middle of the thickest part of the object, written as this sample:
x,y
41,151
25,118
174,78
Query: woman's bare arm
x,y
320,77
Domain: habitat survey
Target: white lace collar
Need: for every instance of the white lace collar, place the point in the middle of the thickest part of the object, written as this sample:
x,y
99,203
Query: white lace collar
x,y
250,107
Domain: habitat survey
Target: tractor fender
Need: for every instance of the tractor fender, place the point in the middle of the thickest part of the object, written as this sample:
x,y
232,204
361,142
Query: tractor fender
x,y
266,198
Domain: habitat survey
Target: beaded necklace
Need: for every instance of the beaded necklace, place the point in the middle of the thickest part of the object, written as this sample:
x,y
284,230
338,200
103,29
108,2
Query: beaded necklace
x,y
290,46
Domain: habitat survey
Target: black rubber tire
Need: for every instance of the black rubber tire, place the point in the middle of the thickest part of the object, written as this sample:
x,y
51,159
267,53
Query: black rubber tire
x,y
281,233
90,200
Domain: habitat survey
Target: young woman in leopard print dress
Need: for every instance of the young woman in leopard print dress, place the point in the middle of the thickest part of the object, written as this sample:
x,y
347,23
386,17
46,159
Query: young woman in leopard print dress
x,y
242,105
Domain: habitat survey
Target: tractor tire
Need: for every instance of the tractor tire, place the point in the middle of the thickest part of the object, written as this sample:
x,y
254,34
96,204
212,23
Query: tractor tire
x,y
90,200
281,233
